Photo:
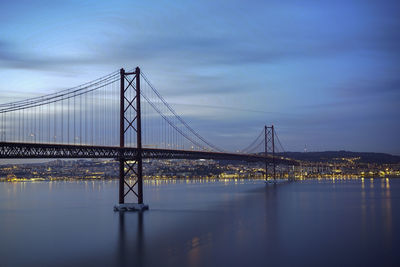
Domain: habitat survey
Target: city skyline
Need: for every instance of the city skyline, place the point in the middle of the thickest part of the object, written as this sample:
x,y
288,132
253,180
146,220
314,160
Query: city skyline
x,y
324,74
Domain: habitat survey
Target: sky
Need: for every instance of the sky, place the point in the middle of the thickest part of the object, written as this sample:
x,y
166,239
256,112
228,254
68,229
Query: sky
x,y
324,73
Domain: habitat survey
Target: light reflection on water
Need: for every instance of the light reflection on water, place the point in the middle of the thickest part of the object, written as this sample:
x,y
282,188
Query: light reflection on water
x,y
202,223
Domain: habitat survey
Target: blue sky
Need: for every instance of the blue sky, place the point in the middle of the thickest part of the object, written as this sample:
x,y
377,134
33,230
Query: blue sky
x,y
325,73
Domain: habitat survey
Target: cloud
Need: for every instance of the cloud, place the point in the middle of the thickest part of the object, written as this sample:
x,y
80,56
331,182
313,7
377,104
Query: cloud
x,y
340,58
371,87
13,58
268,37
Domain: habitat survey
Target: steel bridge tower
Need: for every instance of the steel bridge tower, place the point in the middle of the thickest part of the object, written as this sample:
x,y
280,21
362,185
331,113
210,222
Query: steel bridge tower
x,y
269,135
130,120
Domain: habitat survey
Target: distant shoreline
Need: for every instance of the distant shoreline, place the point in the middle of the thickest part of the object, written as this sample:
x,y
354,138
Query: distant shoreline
x,y
342,177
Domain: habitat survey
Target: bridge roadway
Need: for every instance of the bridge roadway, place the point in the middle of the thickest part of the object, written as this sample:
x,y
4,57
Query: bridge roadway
x,y
39,150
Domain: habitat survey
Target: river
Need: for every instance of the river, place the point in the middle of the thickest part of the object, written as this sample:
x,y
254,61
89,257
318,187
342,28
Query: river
x,y
202,223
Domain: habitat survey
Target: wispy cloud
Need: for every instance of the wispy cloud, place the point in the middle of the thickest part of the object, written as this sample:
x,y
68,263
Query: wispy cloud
x,y
312,68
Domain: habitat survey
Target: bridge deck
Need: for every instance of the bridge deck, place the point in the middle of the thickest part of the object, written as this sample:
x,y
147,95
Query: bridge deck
x,y
29,150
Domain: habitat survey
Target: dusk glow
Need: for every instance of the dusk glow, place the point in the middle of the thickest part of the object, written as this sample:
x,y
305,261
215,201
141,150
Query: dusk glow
x,y
324,72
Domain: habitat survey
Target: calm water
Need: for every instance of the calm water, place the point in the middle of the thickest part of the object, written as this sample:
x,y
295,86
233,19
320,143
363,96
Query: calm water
x,y
307,223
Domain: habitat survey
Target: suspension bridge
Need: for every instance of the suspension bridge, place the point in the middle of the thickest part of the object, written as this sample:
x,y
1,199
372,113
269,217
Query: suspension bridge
x,y
120,116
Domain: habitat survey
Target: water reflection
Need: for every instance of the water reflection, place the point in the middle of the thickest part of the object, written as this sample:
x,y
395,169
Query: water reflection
x,y
387,207
363,211
194,252
130,253
376,211
211,223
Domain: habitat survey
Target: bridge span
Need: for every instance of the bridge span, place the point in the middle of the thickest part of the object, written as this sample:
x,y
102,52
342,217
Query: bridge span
x,y
104,119
27,150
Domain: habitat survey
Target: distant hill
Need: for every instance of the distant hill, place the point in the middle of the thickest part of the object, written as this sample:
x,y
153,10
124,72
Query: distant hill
x,y
364,157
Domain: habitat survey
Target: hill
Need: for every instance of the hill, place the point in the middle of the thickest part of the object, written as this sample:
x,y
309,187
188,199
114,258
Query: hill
x,y
360,157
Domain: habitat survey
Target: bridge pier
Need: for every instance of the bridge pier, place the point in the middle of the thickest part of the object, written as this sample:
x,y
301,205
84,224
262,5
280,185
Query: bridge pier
x,y
131,207
130,168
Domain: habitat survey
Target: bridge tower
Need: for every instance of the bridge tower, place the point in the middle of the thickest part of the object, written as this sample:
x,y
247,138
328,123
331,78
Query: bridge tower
x,y
270,149
130,122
